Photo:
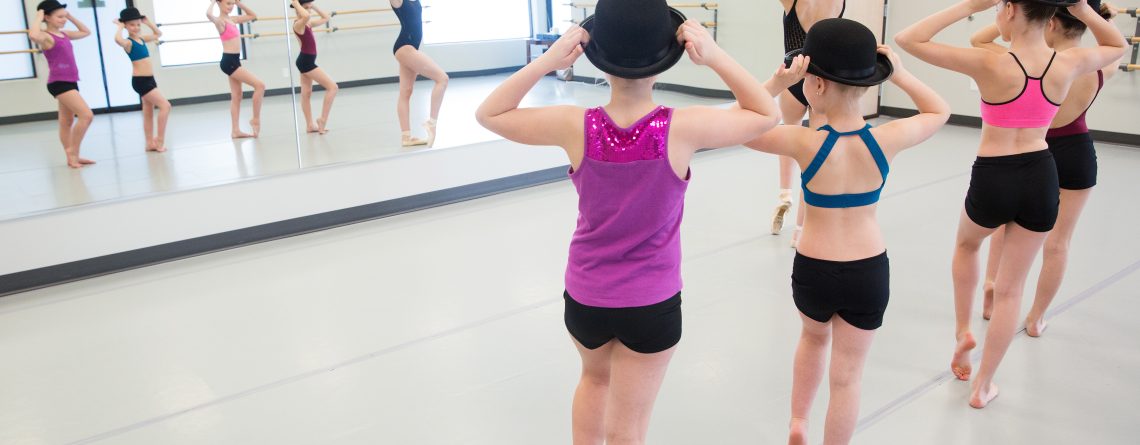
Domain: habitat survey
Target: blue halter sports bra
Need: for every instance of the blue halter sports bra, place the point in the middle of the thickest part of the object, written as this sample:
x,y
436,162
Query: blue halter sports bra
x,y
848,200
138,51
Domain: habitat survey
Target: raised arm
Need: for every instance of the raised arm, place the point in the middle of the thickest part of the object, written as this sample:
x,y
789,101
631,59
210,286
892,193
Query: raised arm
x,y
785,140
247,15
36,32
155,32
302,19
211,16
710,127
1111,43
917,39
325,17
82,30
986,38
933,111
557,125
119,39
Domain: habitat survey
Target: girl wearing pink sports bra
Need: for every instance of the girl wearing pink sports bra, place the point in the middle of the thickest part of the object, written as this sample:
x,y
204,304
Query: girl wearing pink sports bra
x,y
231,63
630,165
63,77
1072,148
1014,179
307,64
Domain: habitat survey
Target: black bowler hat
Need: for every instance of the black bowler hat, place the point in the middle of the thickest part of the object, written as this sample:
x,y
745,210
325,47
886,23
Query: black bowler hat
x,y
1064,12
846,52
50,6
302,2
129,14
1057,3
634,39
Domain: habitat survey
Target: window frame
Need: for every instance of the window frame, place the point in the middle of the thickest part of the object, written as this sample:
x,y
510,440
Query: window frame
x,y
530,26
31,45
243,28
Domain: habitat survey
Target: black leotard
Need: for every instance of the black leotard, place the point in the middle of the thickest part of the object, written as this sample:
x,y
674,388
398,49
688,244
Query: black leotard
x,y
410,14
794,38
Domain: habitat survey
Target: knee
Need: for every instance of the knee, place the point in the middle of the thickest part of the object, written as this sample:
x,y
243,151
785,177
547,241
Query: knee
x,y
85,116
1006,290
259,86
164,107
333,89
405,92
1054,248
843,380
442,81
816,337
596,377
970,246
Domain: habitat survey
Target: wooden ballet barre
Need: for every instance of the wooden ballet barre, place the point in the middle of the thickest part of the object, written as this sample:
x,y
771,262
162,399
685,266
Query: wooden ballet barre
x,y
1128,11
1128,68
281,17
18,31
20,51
707,5
1132,39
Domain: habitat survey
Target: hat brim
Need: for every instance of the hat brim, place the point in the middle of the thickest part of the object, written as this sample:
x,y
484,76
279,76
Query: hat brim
x,y
883,71
1057,3
127,19
51,10
671,57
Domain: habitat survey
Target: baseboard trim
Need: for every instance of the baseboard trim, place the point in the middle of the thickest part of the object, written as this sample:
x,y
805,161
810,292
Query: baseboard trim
x,y
50,116
1108,137
120,262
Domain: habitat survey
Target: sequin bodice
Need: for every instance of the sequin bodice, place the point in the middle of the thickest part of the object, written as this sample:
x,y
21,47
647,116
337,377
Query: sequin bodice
x,y
645,140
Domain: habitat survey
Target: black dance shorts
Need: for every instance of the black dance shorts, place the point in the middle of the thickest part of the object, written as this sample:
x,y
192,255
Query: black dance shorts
x,y
143,84
857,291
306,62
230,62
1076,161
57,88
797,90
1020,188
645,329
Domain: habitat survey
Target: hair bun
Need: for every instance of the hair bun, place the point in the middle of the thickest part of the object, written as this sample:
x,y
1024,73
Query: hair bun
x,y
1107,11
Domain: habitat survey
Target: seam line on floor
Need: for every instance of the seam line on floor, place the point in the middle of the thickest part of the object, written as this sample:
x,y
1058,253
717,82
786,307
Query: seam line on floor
x,y
975,357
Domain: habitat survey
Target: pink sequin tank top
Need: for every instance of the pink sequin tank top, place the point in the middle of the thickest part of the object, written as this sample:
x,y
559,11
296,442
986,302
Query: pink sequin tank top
x,y
626,251
61,61
1030,109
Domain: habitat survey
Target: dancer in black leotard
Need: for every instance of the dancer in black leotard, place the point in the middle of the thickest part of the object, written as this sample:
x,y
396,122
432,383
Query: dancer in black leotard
x,y
413,63
799,16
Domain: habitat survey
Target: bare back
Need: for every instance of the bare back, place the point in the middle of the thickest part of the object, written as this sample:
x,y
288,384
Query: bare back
x,y
1081,95
1005,81
810,12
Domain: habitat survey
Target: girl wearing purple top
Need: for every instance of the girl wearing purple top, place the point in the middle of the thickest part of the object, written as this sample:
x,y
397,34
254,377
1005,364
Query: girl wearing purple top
x,y
307,64
630,165
63,79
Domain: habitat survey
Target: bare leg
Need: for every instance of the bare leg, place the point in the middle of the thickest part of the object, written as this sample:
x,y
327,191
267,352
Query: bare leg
x,y
793,112
235,110
1020,250
331,89
66,120
997,241
589,412
635,379
245,76
1056,258
965,272
403,107
83,118
306,106
148,124
420,63
807,373
848,354
155,97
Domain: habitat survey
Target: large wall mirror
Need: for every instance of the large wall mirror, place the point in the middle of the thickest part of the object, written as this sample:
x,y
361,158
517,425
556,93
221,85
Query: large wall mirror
x,y
408,75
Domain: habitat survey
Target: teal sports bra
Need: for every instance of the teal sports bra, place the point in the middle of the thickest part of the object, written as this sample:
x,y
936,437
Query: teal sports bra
x,y
138,50
848,200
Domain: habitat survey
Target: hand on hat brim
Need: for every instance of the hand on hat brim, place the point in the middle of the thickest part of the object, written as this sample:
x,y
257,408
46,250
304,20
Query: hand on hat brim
x,y
568,48
788,75
700,45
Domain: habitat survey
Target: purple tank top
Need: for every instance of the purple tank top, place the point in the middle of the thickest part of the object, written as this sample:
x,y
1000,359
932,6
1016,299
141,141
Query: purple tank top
x,y
308,42
626,251
61,61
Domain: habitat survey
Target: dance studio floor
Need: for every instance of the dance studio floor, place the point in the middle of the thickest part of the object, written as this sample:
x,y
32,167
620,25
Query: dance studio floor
x,y
34,176
444,327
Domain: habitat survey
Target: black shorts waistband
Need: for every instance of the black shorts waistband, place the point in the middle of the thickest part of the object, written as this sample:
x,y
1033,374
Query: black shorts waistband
x,y
1064,140
865,261
1021,158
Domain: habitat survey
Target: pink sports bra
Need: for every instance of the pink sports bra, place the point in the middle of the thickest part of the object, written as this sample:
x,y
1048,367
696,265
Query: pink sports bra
x,y
1030,109
230,33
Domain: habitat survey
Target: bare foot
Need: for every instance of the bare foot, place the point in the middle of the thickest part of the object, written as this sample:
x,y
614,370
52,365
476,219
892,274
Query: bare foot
x,y
73,163
321,126
1035,328
85,161
313,128
797,432
255,124
159,145
988,300
240,135
150,145
980,398
960,364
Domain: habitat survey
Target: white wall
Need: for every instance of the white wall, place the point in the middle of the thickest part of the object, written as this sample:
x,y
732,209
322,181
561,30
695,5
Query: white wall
x,y
1116,108
345,55
752,32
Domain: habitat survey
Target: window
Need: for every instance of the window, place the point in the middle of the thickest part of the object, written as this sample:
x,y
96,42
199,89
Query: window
x,y
182,21
451,21
561,15
18,65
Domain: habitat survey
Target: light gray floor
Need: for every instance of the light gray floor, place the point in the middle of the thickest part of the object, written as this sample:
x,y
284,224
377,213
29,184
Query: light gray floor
x,y
444,327
34,176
